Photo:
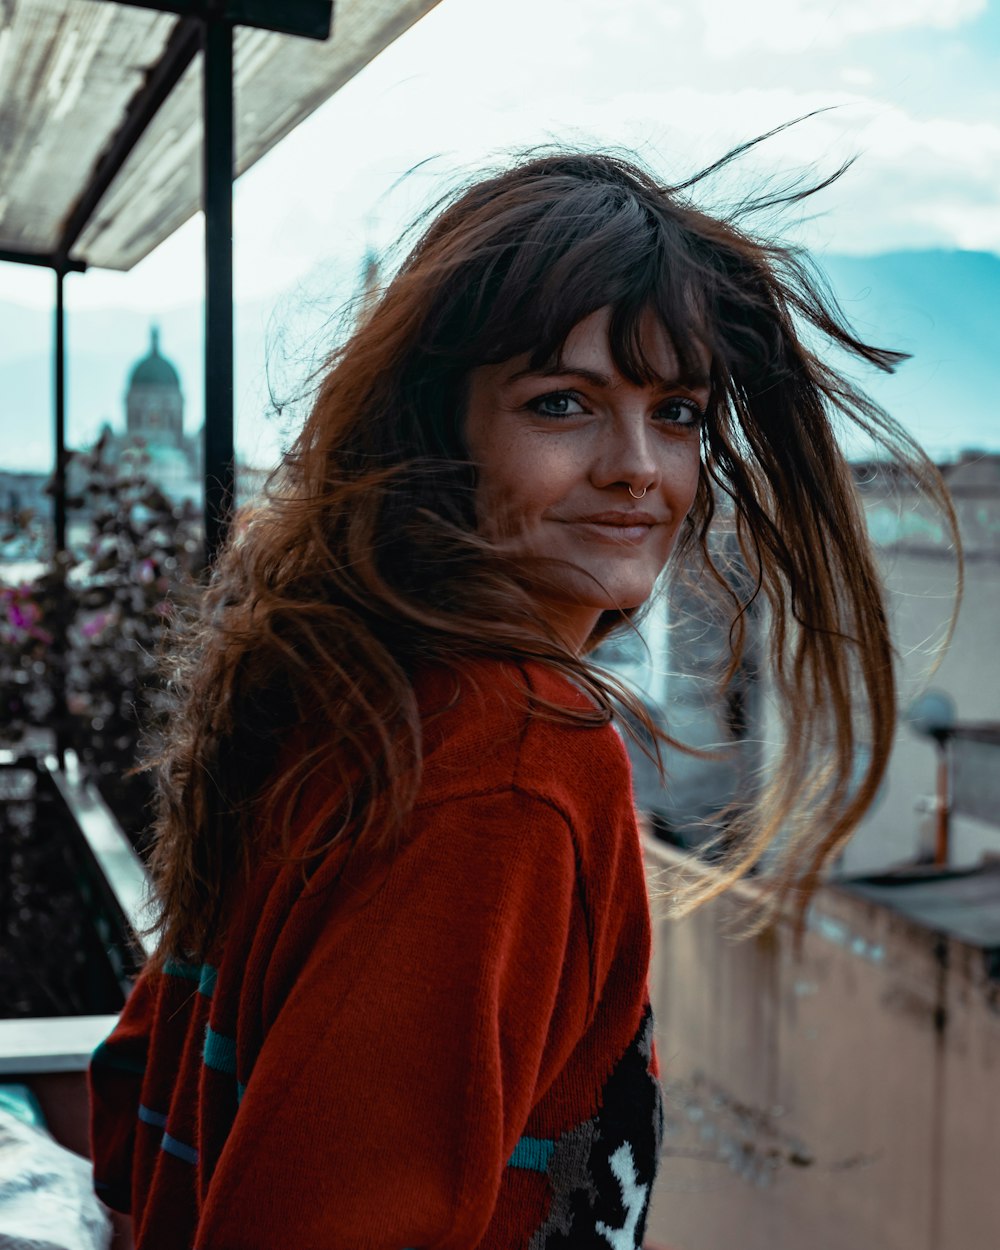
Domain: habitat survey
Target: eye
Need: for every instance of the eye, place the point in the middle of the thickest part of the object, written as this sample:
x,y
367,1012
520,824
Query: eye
x,y
679,410
556,404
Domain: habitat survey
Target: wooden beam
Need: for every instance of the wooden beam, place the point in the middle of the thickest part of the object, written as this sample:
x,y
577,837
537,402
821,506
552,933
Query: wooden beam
x,y
183,44
309,19
45,259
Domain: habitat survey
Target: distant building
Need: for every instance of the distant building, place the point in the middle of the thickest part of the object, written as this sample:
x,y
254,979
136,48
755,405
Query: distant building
x,y
154,441
154,431
25,520
154,405
154,422
23,491
674,662
685,646
919,566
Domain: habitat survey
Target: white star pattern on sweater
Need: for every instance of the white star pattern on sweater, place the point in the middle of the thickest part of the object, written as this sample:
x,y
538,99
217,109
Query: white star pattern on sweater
x,y
633,1197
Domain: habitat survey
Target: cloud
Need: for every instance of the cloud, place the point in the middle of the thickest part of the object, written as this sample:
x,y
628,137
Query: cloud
x,y
917,182
857,76
789,26
934,182
473,82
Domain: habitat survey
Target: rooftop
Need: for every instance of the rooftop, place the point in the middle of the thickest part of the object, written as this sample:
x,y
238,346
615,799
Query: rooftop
x,y
101,109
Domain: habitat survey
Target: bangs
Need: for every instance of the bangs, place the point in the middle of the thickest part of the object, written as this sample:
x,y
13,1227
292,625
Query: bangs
x,y
595,246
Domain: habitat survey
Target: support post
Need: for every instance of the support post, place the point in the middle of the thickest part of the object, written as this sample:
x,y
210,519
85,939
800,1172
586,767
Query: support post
x,y
59,398
942,815
58,644
217,196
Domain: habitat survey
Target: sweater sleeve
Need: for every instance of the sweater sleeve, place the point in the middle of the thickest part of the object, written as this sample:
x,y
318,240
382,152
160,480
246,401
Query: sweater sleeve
x,y
116,1072
398,1074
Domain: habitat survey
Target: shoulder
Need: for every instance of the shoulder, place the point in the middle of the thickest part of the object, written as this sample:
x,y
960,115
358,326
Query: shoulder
x,y
494,724
512,784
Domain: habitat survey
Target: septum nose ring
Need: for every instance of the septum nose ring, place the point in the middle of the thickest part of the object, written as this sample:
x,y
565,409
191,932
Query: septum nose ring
x,y
640,494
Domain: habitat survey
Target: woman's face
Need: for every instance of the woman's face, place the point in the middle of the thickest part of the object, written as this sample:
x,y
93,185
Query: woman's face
x,y
563,452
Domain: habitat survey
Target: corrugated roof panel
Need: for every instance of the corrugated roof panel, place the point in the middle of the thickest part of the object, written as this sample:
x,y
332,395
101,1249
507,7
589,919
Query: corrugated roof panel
x,y
361,29
68,71
159,186
279,81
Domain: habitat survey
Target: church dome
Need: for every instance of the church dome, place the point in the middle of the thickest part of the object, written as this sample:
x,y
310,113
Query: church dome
x,y
154,369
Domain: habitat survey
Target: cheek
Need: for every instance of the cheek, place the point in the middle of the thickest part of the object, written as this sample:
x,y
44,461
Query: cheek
x,y
484,454
499,501
694,479
518,480
682,477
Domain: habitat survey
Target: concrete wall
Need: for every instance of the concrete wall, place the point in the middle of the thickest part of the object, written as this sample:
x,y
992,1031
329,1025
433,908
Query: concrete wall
x,y
843,1097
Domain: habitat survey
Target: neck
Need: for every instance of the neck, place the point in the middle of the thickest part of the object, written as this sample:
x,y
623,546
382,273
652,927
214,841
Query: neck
x,y
571,623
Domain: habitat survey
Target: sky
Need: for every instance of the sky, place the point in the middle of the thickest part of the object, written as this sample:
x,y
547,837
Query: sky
x,y
908,88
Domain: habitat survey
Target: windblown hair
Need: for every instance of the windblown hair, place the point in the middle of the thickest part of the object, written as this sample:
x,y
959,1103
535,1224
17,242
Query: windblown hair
x,y
364,563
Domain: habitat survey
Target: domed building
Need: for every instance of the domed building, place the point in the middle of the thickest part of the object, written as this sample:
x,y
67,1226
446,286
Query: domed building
x,y
154,420
154,404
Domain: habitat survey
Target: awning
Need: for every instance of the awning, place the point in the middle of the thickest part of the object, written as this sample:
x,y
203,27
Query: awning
x,y
101,117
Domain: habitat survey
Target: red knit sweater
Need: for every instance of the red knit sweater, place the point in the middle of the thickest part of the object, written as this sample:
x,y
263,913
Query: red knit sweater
x,y
450,1050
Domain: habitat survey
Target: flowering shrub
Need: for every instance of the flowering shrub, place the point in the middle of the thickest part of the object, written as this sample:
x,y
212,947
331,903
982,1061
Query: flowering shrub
x,y
79,644
19,616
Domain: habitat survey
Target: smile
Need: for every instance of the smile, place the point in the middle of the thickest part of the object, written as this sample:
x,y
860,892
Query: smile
x,y
622,528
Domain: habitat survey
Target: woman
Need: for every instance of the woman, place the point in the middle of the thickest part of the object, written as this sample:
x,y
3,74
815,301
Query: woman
x,y
400,992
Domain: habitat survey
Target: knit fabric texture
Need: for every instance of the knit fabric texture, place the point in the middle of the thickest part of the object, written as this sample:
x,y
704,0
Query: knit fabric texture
x,y
450,1047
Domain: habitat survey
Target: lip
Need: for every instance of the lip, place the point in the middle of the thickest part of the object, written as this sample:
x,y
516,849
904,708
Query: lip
x,y
620,528
618,516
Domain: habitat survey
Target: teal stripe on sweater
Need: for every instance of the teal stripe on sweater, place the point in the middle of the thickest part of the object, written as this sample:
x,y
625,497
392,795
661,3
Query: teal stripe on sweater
x,y
179,1149
204,974
156,1118
189,972
219,1052
532,1154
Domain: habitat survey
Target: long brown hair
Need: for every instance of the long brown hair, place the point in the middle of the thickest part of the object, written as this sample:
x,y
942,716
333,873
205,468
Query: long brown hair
x,y
363,564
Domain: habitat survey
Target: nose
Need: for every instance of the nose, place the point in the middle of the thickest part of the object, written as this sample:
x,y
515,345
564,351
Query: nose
x,y
626,456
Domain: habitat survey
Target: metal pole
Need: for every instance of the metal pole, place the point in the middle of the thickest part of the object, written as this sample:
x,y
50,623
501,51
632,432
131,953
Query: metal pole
x,y
942,822
59,478
58,644
217,195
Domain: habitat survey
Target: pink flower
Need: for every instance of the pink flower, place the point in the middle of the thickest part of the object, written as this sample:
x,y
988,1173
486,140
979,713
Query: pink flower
x,y
23,615
95,625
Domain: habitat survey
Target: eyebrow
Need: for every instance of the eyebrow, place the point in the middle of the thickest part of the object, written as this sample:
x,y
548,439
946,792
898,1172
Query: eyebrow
x,y
690,381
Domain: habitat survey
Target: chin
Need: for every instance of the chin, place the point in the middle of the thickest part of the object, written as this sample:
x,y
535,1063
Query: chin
x,y
624,603
630,598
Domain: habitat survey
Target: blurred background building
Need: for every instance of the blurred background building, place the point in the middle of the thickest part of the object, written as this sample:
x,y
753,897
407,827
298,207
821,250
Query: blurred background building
x,y
153,430
676,660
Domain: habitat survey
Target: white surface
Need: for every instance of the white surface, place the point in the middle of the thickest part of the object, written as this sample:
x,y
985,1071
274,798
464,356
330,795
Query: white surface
x,y
50,1044
47,1200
